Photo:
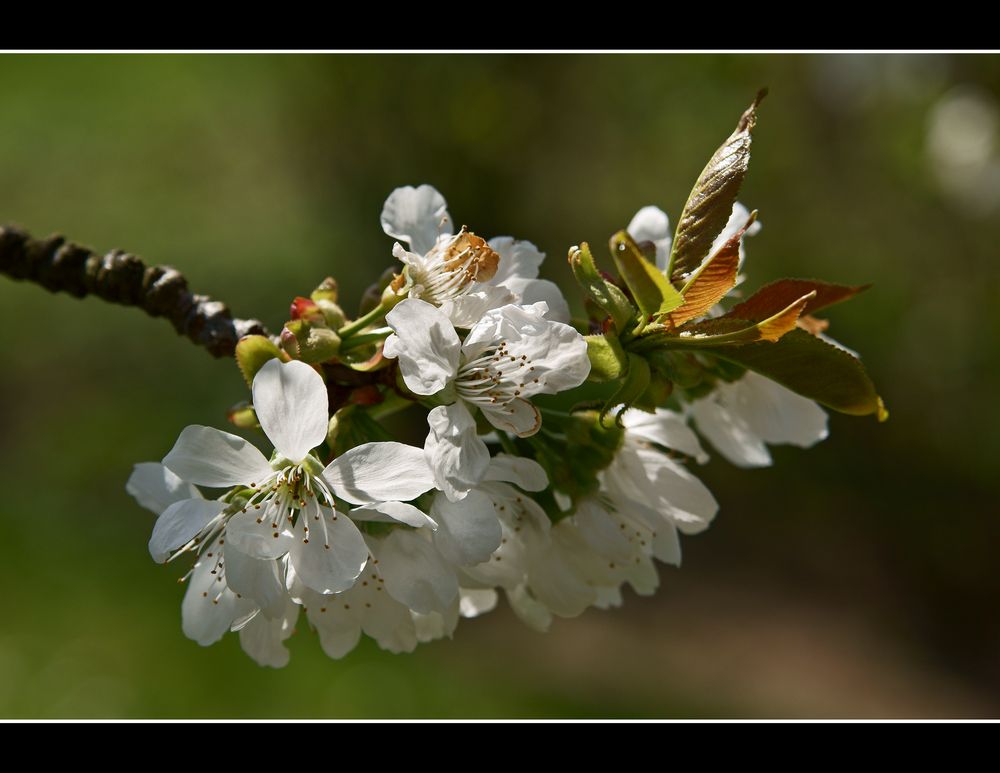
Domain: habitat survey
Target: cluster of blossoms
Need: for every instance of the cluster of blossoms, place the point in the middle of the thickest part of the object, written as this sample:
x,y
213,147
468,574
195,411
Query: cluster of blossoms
x,y
511,493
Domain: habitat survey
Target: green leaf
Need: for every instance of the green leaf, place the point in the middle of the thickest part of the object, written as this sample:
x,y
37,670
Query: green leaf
x,y
608,297
652,291
252,352
777,295
812,368
713,279
679,367
607,358
636,382
710,203
727,330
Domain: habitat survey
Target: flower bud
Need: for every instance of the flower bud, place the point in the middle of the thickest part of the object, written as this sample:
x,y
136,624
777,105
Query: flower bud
x,y
253,351
243,416
308,342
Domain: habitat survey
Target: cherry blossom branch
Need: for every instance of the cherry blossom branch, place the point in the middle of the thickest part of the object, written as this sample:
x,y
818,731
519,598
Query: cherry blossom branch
x,y
118,277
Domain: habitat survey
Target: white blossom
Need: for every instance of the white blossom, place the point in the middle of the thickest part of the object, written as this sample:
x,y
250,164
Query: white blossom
x,y
612,537
740,418
288,505
222,586
509,355
462,273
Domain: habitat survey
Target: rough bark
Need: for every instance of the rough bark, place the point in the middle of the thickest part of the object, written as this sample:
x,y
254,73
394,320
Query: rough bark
x,y
118,277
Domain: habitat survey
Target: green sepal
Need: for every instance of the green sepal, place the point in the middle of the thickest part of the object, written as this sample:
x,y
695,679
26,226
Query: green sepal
x,y
579,436
679,367
308,342
656,394
351,426
332,313
607,358
252,352
636,382
605,294
710,203
652,291
812,368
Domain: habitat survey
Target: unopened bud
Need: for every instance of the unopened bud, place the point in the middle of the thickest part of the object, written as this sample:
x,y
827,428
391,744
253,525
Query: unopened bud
x,y
253,351
307,309
327,291
308,342
243,416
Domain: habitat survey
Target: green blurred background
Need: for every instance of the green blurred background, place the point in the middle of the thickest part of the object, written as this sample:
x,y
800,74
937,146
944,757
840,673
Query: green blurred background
x,y
856,579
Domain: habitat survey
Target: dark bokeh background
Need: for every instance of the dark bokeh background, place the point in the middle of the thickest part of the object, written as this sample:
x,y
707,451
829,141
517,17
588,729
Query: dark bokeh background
x,y
856,579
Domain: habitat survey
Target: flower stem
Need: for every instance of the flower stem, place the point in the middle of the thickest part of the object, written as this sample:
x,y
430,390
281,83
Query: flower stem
x,y
374,337
362,322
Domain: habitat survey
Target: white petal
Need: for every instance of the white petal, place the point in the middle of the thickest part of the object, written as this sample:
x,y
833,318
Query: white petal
x,y
339,629
518,416
523,472
602,532
507,567
657,481
729,433
651,224
156,488
557,352
426,344
776,413
179,524
468,309
555,581
666,428
520,512
609,598
530,610
528,292
519,259
209,607
456,454
331,555
415,573
383,618
263,638
263,533
379,472
473,603
642,576
468,531
406,257
393,512
667,545
436,625
259,580
417,216
292,407
209,457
